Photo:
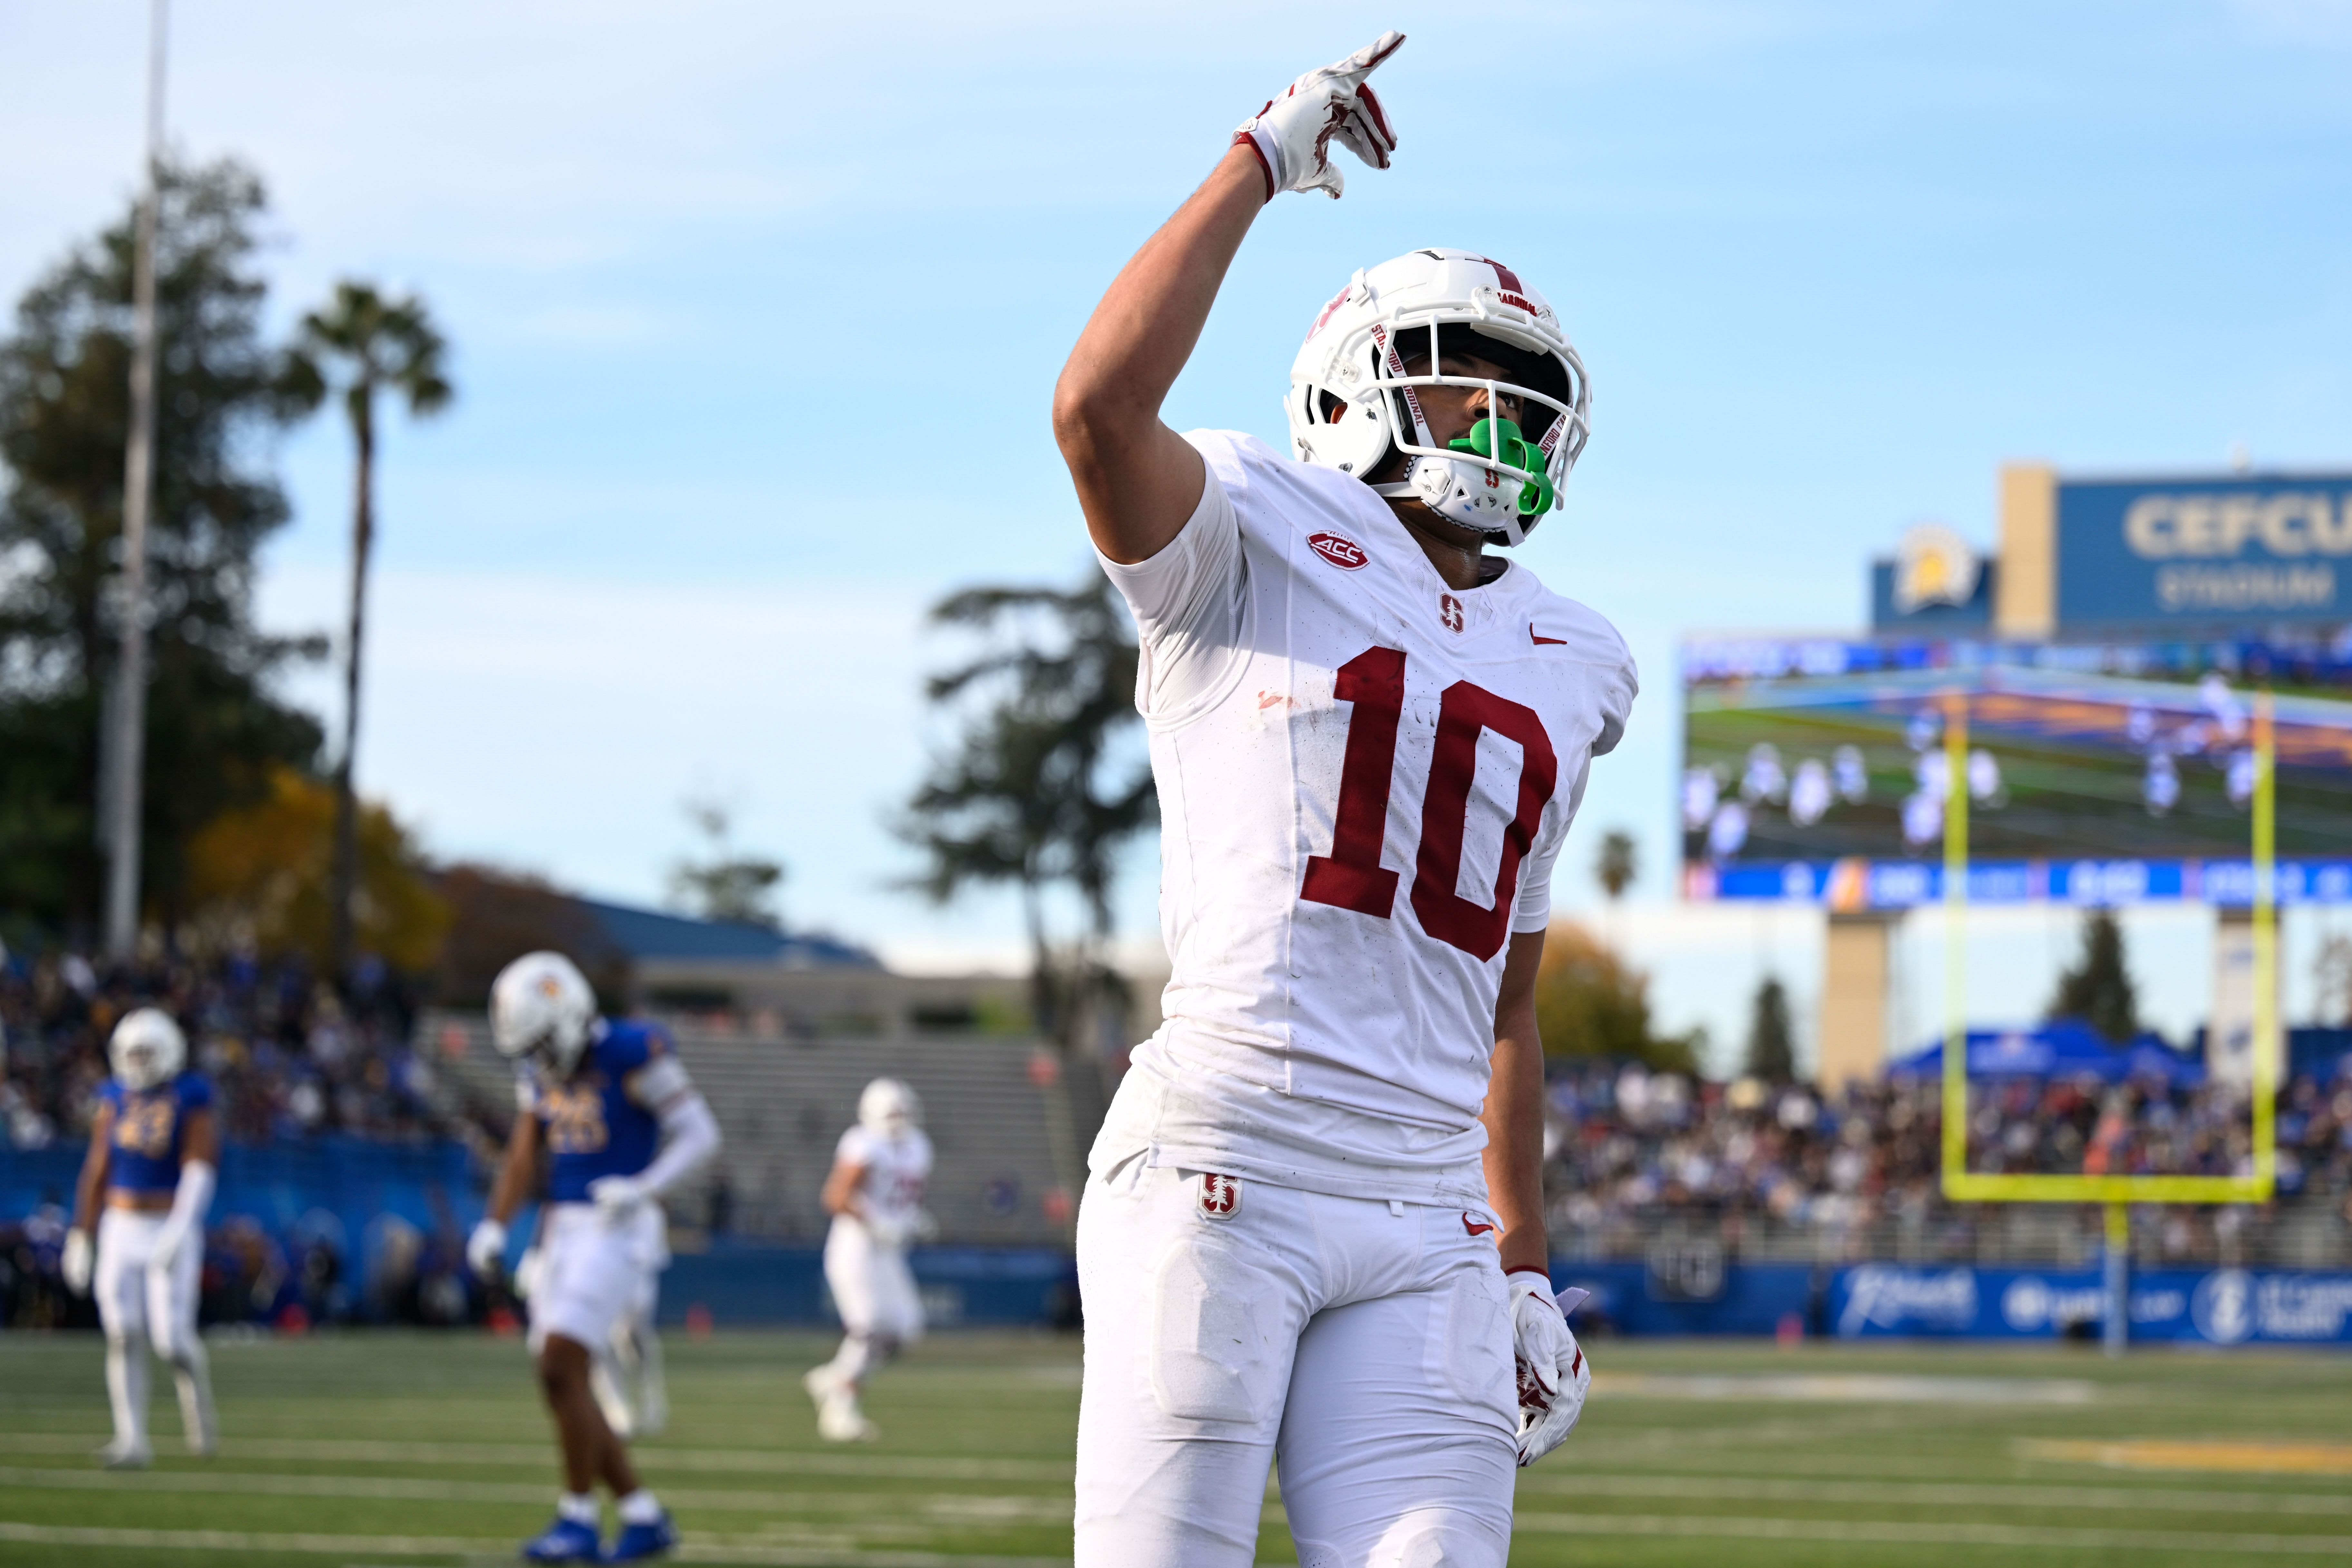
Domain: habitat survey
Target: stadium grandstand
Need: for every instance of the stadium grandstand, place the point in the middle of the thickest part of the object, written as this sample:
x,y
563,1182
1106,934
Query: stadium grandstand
x,y
363,1130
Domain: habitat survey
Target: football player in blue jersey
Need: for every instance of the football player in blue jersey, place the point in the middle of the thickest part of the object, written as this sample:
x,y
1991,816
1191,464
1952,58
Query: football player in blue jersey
x,y
609,1104
152,1153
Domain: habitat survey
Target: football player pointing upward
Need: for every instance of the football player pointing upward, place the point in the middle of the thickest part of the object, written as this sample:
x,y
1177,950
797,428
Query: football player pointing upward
x,y
1313,1226
600,1097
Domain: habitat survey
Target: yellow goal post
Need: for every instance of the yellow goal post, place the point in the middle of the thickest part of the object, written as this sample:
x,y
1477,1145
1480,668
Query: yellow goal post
x,y
1961,1185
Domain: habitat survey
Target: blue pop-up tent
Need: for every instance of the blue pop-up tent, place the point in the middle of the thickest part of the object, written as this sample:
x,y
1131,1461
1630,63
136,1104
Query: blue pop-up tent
x,y
2066,1047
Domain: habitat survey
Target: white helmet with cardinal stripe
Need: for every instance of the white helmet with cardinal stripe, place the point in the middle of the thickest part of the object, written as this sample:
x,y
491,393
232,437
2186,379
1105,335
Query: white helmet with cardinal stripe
x,y
1351,402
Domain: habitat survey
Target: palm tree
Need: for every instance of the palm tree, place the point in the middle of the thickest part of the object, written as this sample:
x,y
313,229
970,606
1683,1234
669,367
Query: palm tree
x,y
1616,866
1615,869
366,342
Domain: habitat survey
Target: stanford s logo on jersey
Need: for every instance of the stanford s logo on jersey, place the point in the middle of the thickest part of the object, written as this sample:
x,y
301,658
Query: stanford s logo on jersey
x,y
1449,610
1220,1196
1339,550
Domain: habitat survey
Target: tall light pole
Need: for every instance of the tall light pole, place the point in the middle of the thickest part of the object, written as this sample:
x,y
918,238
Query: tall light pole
x,y
126,744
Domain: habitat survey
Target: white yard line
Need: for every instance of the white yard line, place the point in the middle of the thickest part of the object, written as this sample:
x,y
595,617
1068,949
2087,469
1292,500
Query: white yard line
x,y
949,1508
2053,1538
1846,1388
538,1456
244,1540
1951,1494
751,1553
973,1508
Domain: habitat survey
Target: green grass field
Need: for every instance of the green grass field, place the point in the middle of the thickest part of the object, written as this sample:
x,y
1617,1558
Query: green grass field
x,y
385,1449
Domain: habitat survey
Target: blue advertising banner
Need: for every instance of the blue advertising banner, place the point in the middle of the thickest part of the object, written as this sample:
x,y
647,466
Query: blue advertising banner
x,y
1857,885
2254,548
2211,1307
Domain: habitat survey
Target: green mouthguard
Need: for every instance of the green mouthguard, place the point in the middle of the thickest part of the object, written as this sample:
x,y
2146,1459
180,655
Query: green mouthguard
x,y
1499,440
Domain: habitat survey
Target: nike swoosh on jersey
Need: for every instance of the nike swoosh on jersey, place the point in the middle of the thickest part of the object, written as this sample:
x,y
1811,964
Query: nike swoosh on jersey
x,y
1539,640
1477,1229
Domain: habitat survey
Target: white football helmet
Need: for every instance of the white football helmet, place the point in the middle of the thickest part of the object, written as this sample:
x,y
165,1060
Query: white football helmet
x,y
541,1005
889,1108
1351,402
146,1049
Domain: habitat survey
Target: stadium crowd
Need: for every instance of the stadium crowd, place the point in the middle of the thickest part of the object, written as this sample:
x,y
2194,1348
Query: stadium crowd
x,y
293,1062
1767,1170
289,1056
1784,1169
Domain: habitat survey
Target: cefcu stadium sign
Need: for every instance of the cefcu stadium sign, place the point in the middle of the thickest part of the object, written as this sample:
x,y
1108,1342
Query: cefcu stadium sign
x,y
2254,549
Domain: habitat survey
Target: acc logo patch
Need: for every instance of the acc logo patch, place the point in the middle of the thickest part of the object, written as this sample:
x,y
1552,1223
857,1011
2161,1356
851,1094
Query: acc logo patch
x,y
1449,610
1220,1196
1339,550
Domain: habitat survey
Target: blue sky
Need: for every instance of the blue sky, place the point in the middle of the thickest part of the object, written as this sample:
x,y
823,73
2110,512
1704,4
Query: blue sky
x,y
757,312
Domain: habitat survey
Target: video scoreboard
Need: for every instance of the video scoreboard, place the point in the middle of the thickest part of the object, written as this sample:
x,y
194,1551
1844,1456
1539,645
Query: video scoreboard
x,y
1816,770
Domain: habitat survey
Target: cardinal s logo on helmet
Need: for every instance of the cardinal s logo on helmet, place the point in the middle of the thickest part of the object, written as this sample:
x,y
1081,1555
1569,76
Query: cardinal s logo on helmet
x,y
1353,402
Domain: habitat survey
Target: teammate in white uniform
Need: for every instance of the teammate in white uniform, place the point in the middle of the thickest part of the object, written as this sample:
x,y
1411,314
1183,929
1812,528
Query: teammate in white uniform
x,y
876,1197
1314,1224
154,1150
611,1105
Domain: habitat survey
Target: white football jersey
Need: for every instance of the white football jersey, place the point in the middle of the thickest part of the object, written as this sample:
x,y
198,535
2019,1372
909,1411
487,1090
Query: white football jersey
x,y
895,1170
1364,779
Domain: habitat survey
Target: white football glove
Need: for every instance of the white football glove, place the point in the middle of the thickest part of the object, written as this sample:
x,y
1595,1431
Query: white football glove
x,y
617,1198
1293,133
75,1264
528,1268
485,1248
1553,1375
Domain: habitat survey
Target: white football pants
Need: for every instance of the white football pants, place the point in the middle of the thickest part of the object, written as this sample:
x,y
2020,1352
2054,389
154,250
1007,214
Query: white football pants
x,y
1365,1345
594,1271
874,1291
139,1306
626,1374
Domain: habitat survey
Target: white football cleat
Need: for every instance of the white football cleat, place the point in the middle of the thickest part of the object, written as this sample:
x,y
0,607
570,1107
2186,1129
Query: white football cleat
x,y
838,1420
125,1454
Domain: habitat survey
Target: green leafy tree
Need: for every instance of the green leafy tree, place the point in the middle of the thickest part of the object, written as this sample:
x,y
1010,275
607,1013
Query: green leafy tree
x,y
365,344
1590,1002
2099,989
1772,1046
1032,793
726,884
214,731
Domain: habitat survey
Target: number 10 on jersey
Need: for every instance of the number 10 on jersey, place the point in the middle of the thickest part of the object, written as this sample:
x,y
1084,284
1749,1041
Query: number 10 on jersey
x,y
1352,878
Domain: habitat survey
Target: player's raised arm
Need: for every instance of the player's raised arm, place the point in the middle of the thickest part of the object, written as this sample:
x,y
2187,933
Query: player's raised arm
x,y
1136,480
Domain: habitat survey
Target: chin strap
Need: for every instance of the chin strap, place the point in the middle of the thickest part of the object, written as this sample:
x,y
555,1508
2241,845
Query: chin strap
x,y
1395,364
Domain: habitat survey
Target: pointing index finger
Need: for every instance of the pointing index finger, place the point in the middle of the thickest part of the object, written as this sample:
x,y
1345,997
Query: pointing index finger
x,y
1366,60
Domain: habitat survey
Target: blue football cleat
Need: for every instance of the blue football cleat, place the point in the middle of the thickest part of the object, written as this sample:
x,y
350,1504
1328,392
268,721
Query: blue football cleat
x,y
639,1542
565,1540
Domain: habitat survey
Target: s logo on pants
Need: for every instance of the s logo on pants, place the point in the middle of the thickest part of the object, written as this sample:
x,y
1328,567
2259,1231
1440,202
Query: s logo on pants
x,y
1220,1196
